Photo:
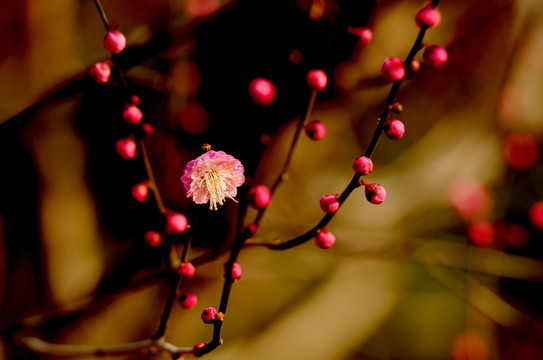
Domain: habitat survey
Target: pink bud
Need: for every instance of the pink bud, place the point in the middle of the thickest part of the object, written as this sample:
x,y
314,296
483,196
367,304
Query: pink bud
x,y
259,196
153,238
481,233
375,193
393,69
394,129
147,128
187,300
365,34
134,100
295,57
329,203
435,56
428,16
236,271
315,130
471,200
140,191
362,166
262,91
114,41
132,114
512,234
521,150
127,148
415,65
101,72
176,223
186,270
317,80
536,214
208,315
324,239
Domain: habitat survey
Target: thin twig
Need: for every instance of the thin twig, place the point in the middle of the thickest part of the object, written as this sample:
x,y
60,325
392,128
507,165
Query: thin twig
x,y
152,183
102,13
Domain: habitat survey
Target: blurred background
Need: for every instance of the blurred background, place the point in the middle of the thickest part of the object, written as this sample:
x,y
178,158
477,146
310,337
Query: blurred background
x,y
448,267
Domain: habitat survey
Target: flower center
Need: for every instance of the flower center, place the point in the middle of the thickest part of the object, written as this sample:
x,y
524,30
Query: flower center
x,y
217,187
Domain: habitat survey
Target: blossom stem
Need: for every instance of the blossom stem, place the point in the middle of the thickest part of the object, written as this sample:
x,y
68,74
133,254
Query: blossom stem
x,y
303,119
174,284
152,183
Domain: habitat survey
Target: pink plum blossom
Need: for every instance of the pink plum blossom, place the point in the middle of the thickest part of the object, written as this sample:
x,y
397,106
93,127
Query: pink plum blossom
x,y
213,177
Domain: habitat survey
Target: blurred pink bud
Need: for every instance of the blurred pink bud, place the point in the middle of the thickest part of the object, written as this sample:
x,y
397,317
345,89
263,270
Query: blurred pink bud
x,y
365,34
536,214
514,234
521,150
237,271
140,191
393,69
101,72
470,199
186,270
435,56
134,100
428,16
153,238
262,91
132,114
317,80
127,148
176,223
482,233
315,130
187,300
415,65
147,128
259,196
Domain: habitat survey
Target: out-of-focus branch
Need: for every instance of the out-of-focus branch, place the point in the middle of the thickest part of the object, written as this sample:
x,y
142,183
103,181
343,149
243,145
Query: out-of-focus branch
x,y
488,303
64,350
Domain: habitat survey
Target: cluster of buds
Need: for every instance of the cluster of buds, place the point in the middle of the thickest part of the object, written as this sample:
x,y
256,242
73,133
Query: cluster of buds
x,y
127,147
394,69
114,42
